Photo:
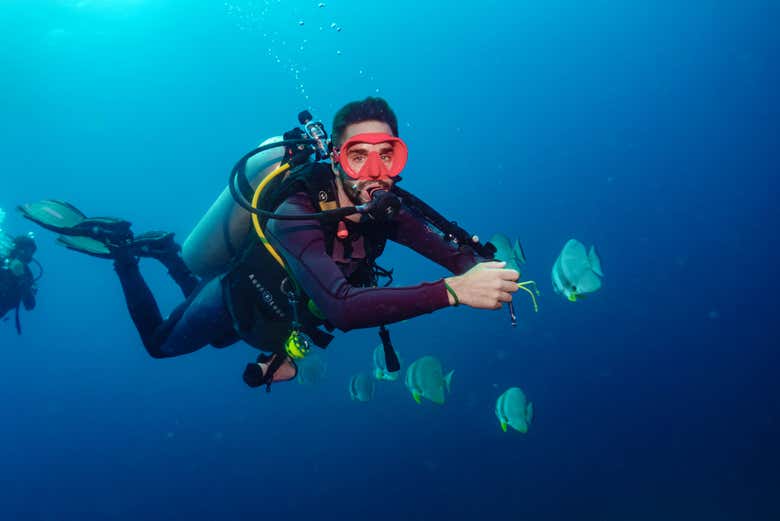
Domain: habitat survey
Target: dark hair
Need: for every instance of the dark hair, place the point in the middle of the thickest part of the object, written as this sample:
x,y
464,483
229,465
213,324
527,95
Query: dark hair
x,y
376,109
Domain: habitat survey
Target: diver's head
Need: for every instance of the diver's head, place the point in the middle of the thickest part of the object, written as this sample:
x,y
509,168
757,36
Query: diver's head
x,y
367,153
24,248
369,109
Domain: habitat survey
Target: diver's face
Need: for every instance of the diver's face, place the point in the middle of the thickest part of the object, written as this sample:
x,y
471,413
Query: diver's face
x,y
24,254
358,190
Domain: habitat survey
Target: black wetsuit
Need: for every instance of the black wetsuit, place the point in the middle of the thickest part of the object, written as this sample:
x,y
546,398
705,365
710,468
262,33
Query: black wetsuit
x,y
16,290
213,311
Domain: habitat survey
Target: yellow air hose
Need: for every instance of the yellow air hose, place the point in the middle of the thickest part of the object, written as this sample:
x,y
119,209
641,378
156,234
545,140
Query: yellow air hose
x,y
256,219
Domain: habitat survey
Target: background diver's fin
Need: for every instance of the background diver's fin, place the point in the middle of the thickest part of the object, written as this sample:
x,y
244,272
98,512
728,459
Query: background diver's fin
x,y
85,245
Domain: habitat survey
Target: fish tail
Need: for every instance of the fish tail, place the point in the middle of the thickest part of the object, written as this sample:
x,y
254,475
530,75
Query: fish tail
x,y
595,261
518,253
448,380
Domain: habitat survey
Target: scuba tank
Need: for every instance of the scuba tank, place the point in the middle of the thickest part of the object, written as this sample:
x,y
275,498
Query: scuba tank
x,y
213,241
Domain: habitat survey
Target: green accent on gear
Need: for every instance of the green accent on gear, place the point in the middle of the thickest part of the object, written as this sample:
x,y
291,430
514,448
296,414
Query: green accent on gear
x,y
314,310
452,292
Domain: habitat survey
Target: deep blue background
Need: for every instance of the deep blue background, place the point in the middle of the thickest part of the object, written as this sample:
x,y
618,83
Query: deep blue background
x,y
649,130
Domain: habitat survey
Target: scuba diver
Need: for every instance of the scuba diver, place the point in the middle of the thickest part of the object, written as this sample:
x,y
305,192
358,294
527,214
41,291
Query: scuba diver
x,y
17,283
310,262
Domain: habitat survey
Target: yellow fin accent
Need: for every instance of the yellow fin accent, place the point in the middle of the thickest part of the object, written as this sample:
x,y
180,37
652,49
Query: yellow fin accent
x,y
503,425
416,396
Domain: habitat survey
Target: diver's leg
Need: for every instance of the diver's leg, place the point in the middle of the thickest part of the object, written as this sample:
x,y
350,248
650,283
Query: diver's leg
x,y
161,246
139,299
180,273
201,320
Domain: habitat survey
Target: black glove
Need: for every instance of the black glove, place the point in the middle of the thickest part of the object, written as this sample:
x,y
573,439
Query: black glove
x,y
253,375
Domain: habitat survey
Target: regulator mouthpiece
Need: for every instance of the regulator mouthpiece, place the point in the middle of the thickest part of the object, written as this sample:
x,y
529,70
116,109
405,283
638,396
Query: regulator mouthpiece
x,y
382,207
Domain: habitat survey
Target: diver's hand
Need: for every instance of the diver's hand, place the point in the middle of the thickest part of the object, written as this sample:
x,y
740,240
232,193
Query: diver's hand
x,y
485,286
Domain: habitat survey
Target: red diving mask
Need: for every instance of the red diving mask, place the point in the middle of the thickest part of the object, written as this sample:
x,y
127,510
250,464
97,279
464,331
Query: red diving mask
x,y
372,156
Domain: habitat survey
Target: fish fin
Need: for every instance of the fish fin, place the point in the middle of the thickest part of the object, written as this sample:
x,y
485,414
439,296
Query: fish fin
x,y
589,282
572,297
595,261
416,396
517,251
378,374
503,425
529,413
448,380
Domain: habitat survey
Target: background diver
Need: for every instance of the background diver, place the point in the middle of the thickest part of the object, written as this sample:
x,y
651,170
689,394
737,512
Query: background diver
x,y
18,285
277,288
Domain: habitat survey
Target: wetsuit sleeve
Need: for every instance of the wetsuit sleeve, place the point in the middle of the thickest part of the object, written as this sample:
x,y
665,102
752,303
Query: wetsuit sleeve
x,y
302,244
412,231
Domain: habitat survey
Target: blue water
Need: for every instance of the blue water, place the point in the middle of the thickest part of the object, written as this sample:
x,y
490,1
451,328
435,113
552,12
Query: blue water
x,y
648,130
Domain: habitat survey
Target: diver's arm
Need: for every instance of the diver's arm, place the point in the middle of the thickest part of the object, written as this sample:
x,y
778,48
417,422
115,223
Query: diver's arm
x,y
28,290
477,283
302,244
28,298
221,231
412,231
